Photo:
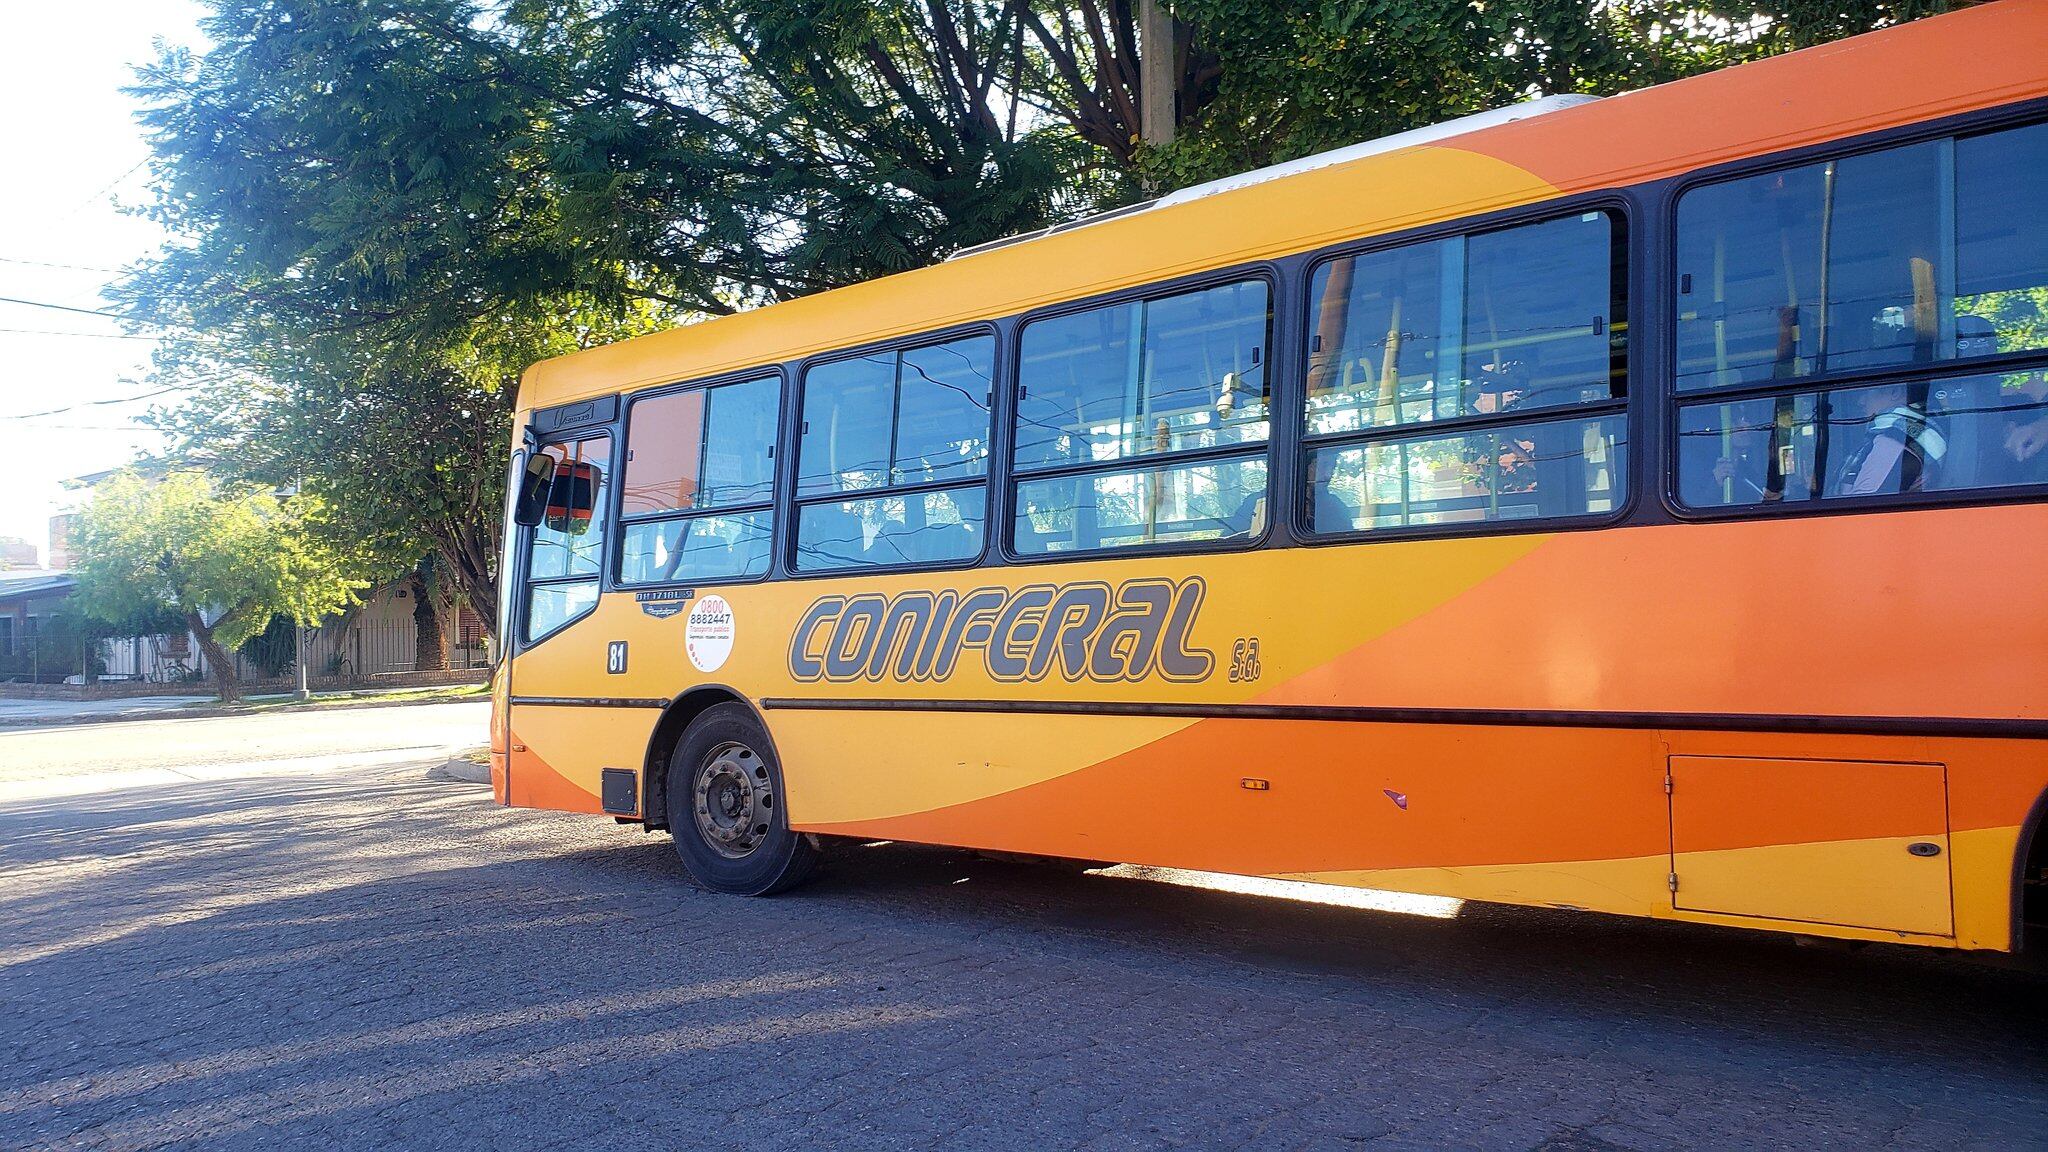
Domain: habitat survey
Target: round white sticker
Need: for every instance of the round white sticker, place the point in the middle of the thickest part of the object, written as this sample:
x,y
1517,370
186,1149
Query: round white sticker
x,y
708,636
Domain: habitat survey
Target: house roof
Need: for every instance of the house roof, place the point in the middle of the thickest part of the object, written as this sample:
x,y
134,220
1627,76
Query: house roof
x,y
34,585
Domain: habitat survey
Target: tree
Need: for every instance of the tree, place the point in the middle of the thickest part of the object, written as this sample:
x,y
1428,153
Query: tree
x,y
224,563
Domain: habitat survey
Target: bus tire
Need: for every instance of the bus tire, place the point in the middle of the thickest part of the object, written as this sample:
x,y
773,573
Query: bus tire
x,y
725,808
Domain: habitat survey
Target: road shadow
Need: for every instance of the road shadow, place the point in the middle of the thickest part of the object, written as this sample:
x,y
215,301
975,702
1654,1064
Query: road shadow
x,y
391,961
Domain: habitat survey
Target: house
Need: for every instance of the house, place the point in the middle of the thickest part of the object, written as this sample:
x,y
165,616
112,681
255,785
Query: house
x,y
29,603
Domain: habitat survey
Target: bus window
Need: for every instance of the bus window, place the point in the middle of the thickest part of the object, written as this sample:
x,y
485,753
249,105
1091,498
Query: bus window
x,y
1151,376
895,444
1556,468
1915,256
700,473
1930,252
565,552
1127,508
551,606
930,527
696,548
1897,439
739,444
2002,242
1515,320
1470,329
662,469
1148,379
561,549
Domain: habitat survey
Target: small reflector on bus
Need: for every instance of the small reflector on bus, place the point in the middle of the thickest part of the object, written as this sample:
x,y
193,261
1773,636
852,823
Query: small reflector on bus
x,y
1254,783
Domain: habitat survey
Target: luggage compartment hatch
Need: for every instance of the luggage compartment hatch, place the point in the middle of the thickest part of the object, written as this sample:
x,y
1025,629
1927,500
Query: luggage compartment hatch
x,y
1860,844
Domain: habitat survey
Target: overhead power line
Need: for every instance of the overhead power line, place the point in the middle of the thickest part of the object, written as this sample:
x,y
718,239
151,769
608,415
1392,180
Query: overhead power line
x,y
95,404
90,312
95,198
55,264
86,335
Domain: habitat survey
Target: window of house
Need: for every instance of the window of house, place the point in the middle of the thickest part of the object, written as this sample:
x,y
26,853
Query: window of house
x,y
1144,423
1909,263
699,480
1514,339
894,457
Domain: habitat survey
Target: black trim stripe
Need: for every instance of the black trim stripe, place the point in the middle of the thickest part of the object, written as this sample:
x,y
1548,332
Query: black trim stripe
x,y
1497,717
590,701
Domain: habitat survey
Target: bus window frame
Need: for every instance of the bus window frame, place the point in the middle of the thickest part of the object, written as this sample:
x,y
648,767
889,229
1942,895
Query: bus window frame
x,y
601,516
615,505
1274,275
1672,401
1630,405
1001,375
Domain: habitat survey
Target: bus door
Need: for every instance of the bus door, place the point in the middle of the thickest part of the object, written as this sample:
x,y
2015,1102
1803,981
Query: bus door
x,y
558,659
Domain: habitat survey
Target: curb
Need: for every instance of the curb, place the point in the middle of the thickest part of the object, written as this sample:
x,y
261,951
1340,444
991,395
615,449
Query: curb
x,y
207,711
467,771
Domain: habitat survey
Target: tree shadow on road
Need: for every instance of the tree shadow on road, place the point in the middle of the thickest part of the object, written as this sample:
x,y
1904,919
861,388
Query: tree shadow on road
x,y
383,960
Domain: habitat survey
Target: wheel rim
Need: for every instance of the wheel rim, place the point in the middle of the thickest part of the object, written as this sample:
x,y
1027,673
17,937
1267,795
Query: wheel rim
x,y
733,801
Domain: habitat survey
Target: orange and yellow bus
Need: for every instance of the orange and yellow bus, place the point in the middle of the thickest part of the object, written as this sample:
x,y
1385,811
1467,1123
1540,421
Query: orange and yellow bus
x,y
1632,504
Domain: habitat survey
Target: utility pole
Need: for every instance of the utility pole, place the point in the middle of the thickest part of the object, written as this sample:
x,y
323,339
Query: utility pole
x,y
1158,72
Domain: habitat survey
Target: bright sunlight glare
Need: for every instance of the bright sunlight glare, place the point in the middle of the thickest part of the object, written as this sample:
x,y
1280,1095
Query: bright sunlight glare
x,y
1300,891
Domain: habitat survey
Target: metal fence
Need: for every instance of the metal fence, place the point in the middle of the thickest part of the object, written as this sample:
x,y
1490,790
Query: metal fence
x,y
356,654
365,650
45,659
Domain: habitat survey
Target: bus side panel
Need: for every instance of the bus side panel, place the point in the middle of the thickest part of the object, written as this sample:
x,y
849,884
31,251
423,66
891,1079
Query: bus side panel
x,y
1571,817
1776,618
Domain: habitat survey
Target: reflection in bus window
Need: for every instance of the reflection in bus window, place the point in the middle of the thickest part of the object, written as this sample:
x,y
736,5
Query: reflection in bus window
x,y
556,553
1929,252
1143,378
1949,435
1183,504
689,455
704,448
739,444
917,418
927,527
1516,320
715,547
550,606
897,417
664,449
1558,468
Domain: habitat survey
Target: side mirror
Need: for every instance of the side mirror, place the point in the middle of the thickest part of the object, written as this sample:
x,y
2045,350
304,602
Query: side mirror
x,y
572,498
534,484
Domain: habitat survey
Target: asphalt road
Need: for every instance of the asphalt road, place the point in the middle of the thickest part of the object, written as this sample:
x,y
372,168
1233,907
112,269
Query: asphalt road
x,y
250,952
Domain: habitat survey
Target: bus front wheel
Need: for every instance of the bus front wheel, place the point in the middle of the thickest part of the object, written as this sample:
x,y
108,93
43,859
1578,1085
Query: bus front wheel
x,y
725,808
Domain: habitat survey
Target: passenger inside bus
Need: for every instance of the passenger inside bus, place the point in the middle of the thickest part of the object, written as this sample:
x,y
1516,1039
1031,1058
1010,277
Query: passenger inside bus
x,y
1901,449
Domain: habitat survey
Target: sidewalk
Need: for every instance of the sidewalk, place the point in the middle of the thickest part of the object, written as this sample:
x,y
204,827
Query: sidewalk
x,y
15,712
37,713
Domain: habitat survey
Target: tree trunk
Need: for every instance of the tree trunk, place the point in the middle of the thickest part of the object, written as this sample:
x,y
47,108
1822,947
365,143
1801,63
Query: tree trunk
x,y
430,645
471,562
219,660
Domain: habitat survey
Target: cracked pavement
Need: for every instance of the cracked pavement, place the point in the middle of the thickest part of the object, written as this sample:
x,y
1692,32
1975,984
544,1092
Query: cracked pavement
x,y
358,954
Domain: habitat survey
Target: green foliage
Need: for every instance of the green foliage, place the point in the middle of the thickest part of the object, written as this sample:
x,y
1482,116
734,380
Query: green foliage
x,y
275,650
1297,78
172,544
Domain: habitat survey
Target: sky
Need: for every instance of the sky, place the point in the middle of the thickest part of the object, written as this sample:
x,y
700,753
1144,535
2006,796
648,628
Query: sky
x,y
74,160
